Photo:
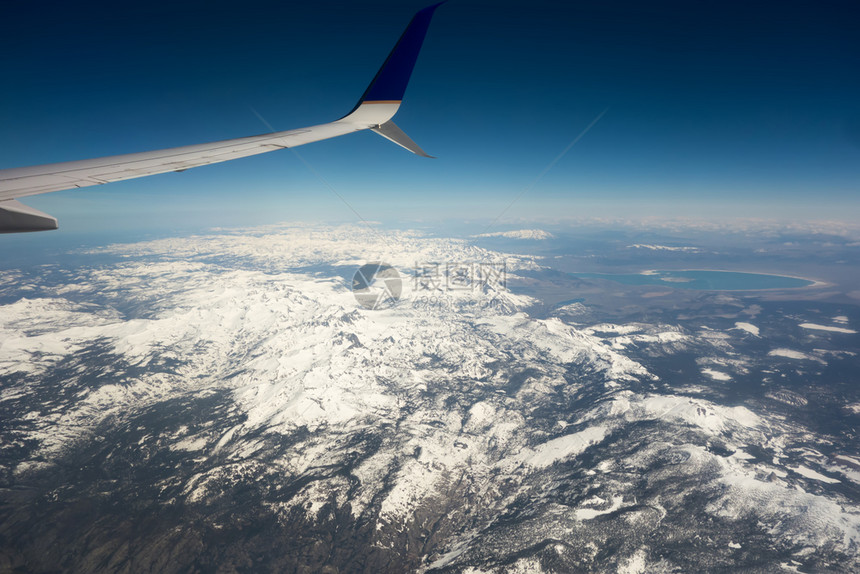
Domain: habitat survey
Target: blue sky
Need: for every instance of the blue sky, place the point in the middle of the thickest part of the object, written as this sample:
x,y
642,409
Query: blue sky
x,y
726,109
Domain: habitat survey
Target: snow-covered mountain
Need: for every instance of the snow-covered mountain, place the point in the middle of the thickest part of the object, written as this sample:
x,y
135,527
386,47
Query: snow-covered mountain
x,y
223,401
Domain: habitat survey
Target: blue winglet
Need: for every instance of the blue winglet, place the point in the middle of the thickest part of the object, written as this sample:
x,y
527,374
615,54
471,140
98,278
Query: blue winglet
x,y
390,81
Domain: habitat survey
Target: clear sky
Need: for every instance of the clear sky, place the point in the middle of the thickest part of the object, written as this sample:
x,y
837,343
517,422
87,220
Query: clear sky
x,y
723,108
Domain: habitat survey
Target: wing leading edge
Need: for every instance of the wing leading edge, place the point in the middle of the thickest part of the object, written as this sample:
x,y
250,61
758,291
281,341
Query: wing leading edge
x,y
373,111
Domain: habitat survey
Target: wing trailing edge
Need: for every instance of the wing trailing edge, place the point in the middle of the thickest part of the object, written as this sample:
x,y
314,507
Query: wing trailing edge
x,y
391,132
374,111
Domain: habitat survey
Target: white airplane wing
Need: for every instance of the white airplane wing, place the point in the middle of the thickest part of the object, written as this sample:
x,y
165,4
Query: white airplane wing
x,y
374,111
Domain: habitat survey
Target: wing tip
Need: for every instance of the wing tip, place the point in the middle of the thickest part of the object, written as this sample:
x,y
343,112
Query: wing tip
x,y
389,84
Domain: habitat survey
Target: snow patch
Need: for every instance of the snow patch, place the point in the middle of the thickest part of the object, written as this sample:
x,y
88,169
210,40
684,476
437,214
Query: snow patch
x,y
816,327
748,327
532,234
190,444
717,375
789,354
590,513
809,473
686,248
550,452
636,564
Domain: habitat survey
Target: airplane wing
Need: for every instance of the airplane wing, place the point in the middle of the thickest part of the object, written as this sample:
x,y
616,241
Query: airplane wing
x,y
373,111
